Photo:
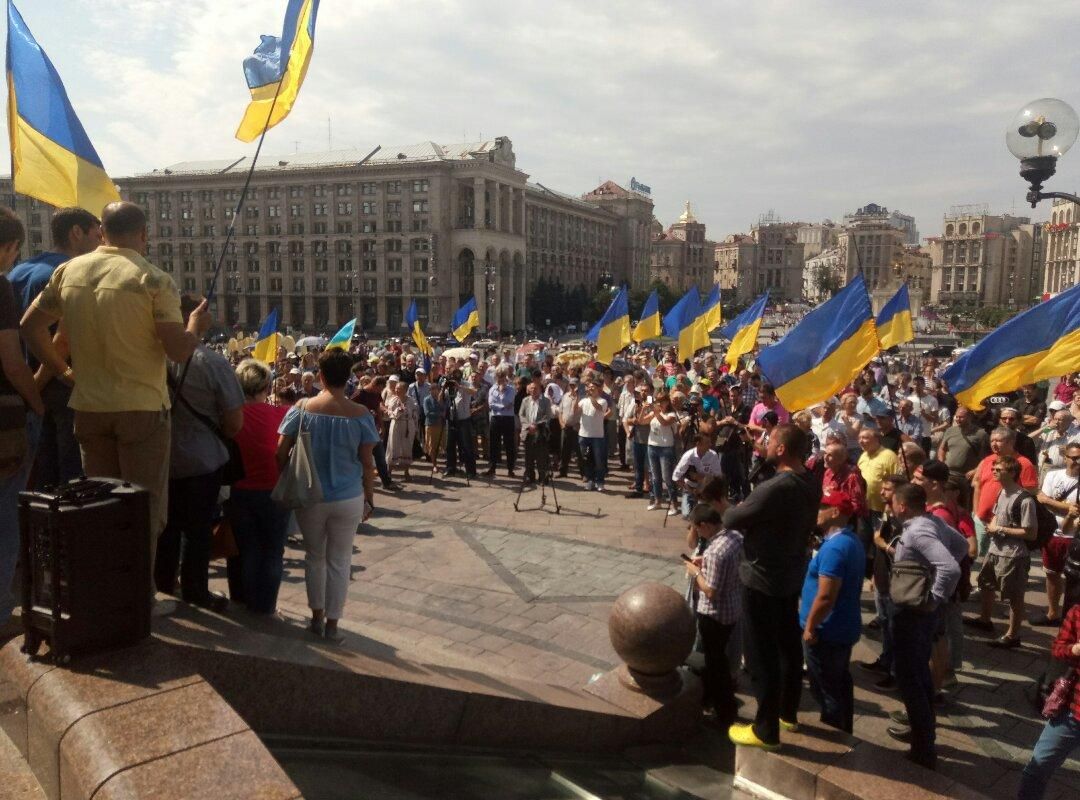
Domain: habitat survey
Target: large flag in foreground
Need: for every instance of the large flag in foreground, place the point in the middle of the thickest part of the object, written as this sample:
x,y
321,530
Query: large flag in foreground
x,y
614,328
648,326
684,323
52,158
1041,343
743,331
825,351
894,322
277,69
412,319
266,340
465,320
343,338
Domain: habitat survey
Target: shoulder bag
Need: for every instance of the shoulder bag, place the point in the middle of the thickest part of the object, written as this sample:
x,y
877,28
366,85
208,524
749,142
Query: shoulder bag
x,y
233,469
909,586
298,486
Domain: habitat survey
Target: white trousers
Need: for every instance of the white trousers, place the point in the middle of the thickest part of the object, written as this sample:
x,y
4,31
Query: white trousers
x,y
328,530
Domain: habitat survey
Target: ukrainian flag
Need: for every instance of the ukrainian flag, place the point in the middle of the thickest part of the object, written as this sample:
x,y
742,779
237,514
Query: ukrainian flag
x,y
711,310
465,320
343,338
894,322
412,319
277,69
52,158
684,323
266,340
648,326
1041,343
614,333
825,351
743,331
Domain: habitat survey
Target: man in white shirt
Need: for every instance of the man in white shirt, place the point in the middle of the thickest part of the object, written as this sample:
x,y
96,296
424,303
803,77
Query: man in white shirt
x,y
1052,441
592,437
569,416
925,407
696,463
824,420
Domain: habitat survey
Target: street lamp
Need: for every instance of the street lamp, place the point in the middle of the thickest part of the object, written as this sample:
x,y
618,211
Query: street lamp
x,y
490,271
1039,134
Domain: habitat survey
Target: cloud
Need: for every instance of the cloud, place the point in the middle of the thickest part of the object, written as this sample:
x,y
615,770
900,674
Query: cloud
x,y
812,108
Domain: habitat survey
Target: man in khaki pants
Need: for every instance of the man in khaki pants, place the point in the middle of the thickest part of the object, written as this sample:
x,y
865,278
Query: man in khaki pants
x,y
121,318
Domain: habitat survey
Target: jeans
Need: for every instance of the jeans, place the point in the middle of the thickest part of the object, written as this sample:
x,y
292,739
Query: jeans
x,y
9,518
913,636
719,687
594,458
886,610
641,463
184,545
772,640
379,453
502,438
58,457
661,464
1060,737
828,665
259,526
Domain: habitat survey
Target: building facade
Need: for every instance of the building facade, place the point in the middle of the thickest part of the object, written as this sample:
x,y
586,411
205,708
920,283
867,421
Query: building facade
x,y
875,247
895,219
770,257
634,212
681,256
1060,242
824,274
568,239
985,260
35,217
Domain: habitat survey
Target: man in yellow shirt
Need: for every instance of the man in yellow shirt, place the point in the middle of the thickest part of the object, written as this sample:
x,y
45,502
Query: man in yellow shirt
x,y
121,317
875,464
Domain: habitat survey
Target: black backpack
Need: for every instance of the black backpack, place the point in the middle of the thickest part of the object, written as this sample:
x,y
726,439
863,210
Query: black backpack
x,y
1046,522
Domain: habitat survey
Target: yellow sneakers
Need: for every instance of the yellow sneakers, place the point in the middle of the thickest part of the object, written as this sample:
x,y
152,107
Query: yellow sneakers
x,y
744,735
790,727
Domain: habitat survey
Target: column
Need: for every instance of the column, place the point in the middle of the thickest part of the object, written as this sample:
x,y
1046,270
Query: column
x,y
479,203
510,317
480,291
521,292
496,211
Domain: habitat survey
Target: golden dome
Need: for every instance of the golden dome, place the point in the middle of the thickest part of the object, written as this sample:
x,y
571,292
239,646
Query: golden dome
x,y
687,214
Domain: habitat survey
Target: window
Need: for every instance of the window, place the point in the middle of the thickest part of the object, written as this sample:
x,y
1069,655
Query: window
x,y
393,245
420,185
320,284
319,209
343,265
165,212
318,191
189,265
273,211
345,284
369,207
298,284
420,206
368,264
209,230
251,212
296,191
186,213
297,265
343,190
393,187
369,285
421,245
187,230
344,208
208,212
318,227
275,284
185,197
419,285
368,187
189,284
420,265
273,193
251,230
321,264
392,226
319,248
394,286
273,229
393,265
393,208
367,245
368,227
275,265
230,265
296,228
167,266
343,227
253,284
418,225
253,265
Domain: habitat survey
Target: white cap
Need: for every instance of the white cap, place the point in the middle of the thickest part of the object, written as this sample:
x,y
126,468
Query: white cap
x,y
1056,405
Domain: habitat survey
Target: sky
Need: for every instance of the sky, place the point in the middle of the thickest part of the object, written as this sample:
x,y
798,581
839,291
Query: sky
x,y
810,109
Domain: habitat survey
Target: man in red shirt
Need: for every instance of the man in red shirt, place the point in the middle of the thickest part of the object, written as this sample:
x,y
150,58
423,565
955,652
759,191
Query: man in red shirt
x,y
841,476
986,487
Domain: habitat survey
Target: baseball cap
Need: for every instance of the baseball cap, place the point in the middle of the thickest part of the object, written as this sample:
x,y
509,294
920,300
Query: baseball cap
x,y
393,379
421,369
840,500
1056,405
294,371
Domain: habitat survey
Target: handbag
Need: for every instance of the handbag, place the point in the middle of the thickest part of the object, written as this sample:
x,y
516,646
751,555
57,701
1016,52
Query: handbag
x,y
223,541
14,442
233,469
298,485
1058,699
909,586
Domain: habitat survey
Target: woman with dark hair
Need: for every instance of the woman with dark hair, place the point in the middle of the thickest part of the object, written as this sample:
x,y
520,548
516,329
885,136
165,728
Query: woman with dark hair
x,y
343,437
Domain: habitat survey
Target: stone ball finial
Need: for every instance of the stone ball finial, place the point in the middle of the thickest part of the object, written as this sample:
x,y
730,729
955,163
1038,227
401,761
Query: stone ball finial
x,y
652,629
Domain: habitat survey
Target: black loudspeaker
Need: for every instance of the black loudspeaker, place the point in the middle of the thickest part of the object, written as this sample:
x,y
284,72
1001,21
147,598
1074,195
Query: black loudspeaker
x,y
86,571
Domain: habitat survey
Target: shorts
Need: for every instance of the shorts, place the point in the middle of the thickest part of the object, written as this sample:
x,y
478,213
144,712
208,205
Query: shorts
x,y
1006,575
1055,552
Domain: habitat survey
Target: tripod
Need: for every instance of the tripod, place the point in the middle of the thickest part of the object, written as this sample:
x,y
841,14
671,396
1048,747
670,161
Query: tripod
x,y
544,467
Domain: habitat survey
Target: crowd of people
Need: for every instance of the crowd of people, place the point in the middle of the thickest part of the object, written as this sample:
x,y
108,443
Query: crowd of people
x,y
104,373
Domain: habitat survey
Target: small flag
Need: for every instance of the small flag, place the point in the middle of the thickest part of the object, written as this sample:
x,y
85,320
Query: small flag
x,y
276,71
465,320
649,326
343,338
52,158
613,328
266,340
1041,343
685,324
743,331
894,322
825,351
412,319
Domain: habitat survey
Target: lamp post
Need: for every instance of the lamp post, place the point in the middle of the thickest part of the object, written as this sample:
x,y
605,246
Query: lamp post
x,y
490,271
1039,134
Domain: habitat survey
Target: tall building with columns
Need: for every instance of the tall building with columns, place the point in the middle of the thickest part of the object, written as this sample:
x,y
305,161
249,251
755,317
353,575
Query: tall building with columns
x,y
681,257
633,209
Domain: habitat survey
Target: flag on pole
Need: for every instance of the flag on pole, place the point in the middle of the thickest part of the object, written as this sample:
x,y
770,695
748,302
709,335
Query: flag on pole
x,y
276,71
648,326
412,319
711,311
684,324
465,320
1041,343
743,331
894,322
614,328
52,158
343,338
266,340
825,351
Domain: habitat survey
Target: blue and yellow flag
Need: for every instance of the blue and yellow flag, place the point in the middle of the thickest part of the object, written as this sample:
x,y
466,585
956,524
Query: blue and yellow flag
x,y
648,326
465,320
52,158
711,310
277,69
684,323
894,322
1041,343
825,351
614,328
412,319
343,338
266,340
743,331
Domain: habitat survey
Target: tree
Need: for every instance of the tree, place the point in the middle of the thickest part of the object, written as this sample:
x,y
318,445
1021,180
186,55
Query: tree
x,y
826,282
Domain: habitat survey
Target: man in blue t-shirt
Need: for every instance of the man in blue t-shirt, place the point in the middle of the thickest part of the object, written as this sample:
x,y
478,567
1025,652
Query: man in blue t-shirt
x,y
830,614
75,232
